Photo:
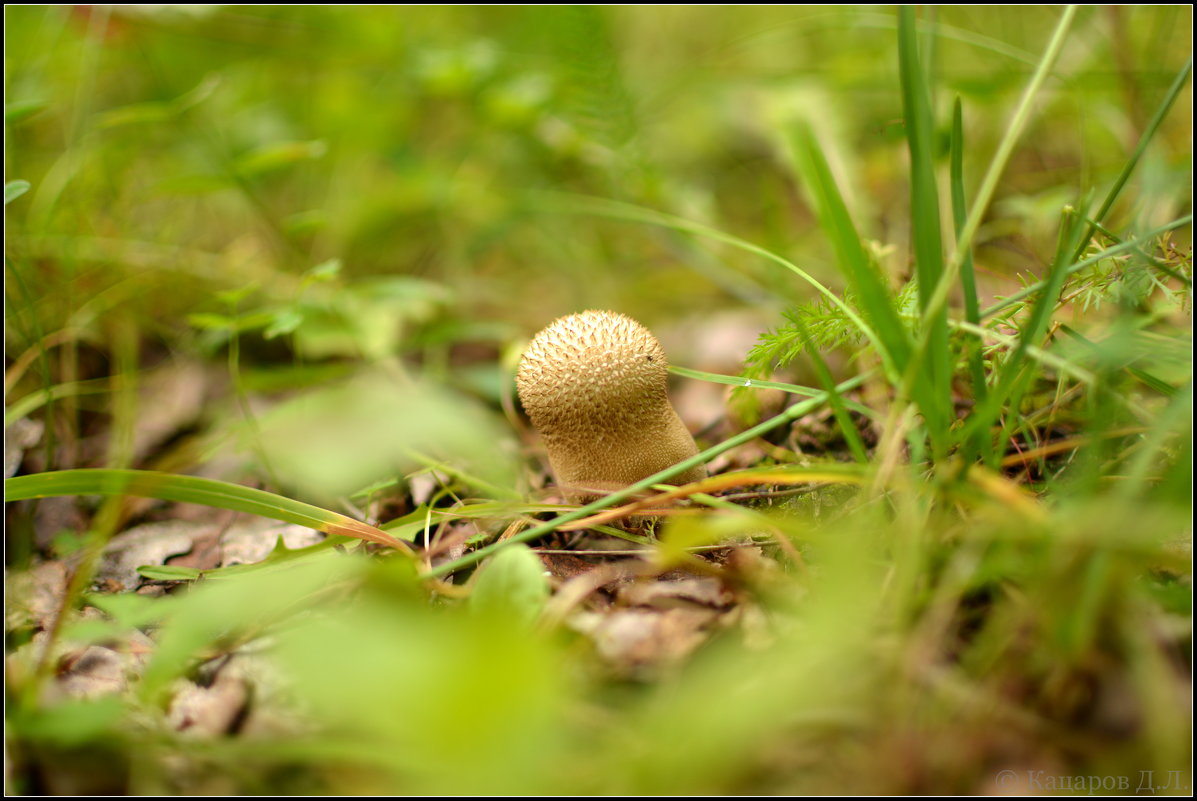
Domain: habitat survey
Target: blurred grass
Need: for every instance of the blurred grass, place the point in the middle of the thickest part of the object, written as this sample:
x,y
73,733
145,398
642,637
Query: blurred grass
x,y
352,217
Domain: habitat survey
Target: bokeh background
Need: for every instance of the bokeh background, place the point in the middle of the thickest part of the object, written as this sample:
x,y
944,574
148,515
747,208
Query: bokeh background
x,y
192,149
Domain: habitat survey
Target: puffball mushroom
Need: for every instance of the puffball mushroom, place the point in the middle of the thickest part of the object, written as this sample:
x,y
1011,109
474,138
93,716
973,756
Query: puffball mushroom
x,y
594,386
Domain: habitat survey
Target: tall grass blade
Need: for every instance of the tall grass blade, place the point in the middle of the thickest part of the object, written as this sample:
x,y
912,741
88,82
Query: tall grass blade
x,y
558,202
191,489
756,383
968,280
998,164
1016,374
875,297
1153,125
926,236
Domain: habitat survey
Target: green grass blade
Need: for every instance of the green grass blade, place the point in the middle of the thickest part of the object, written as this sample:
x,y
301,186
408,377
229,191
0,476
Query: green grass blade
x,y
968,279
875,299
39,398
191,489
1171,423
756,383
998,164
1036,325
847,427
926,237
617,210
1016,374
1154,382
1147,379
278,558
1153,125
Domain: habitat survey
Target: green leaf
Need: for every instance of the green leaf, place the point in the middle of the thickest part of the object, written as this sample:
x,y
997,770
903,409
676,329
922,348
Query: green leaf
x,y
169,572
135,114
156,111
338,438
324,271
18,110
130,609
211,321
70,723
1123,247
246,603
285,322
222,322
511,585
278,155
14,189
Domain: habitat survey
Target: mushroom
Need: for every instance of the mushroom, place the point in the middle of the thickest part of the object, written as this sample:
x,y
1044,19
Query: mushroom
x,y
593,385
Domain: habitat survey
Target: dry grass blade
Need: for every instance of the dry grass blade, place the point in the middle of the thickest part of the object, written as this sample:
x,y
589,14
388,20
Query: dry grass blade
x,y
714,484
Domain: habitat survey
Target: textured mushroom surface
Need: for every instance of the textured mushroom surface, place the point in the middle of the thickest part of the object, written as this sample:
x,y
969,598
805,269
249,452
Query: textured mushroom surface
x,y
594,386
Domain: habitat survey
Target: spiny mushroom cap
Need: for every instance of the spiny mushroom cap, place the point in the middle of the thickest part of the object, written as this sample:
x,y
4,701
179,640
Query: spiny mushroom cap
x,y
594,386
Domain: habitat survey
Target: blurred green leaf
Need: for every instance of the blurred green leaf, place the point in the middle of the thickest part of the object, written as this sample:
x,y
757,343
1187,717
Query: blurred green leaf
x,y
159,110
130,609
511,586
335,440
70,723
14,189
136,114
278,155
244,605
216,322
169,572
21,109
285,321
402,680
324,271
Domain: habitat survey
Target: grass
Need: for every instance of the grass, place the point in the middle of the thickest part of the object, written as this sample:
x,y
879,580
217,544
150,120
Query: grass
x,y
956,559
